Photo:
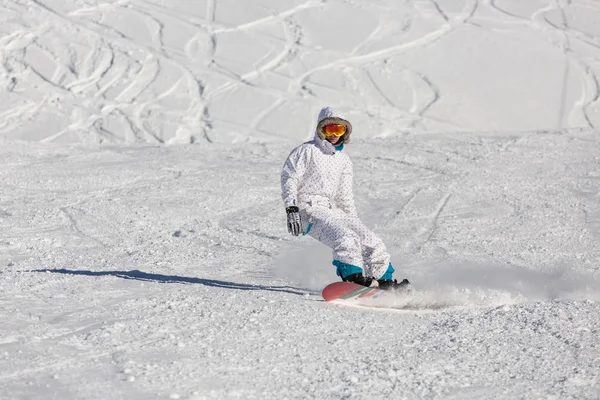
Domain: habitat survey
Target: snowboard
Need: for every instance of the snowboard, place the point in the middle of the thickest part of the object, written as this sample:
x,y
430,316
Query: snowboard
x,y
349,292
352,294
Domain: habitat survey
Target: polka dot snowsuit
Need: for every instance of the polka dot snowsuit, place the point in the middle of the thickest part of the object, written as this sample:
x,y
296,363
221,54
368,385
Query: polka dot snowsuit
x,y
317,177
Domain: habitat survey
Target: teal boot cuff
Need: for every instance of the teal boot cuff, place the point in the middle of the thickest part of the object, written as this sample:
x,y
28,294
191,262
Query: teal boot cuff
x,y
388,274
343,269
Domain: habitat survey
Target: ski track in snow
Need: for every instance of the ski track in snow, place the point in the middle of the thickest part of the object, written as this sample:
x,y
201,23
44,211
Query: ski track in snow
x,y
135,268
138,71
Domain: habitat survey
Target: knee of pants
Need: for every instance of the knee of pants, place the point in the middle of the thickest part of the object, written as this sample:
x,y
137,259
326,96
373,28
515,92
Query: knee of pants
x,y
348,241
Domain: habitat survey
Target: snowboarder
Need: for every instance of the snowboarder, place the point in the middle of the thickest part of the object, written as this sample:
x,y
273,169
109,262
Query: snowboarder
x,y
316,184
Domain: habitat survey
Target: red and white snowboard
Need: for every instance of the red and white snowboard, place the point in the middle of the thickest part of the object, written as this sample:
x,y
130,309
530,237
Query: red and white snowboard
x,y
349,292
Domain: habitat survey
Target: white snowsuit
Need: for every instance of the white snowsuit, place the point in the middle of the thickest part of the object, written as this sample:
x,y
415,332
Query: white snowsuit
x,y
317,177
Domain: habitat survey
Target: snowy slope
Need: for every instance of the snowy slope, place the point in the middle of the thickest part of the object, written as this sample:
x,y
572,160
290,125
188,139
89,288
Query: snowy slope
x,y
137,266
221,71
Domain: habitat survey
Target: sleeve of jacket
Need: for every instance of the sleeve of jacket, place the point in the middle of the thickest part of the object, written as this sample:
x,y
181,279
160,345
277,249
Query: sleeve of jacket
x,y
291,176
345,196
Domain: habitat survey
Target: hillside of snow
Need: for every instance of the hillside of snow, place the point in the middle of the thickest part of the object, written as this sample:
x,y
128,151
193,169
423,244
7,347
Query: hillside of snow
x,y
144,252
133,71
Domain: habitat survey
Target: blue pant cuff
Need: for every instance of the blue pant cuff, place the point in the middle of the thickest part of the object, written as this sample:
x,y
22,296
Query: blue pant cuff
x,y
388,274
343,269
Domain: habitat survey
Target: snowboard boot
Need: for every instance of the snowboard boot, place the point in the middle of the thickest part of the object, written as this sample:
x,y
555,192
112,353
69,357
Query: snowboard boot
x,y
389,284
360,280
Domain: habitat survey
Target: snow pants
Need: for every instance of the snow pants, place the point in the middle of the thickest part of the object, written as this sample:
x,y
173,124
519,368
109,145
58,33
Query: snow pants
x,y
355,247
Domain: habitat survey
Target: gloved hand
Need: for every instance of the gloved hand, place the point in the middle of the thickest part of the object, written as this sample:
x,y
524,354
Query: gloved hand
x,y
293,220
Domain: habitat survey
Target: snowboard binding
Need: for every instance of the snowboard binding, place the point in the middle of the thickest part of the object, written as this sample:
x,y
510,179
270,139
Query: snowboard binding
x,y
394,284
386,284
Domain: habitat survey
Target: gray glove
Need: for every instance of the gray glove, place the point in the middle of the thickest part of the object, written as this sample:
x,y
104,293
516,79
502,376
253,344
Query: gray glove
x,y
293,220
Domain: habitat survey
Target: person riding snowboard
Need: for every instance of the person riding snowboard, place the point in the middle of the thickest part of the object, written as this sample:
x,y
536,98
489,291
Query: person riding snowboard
x,y
316,185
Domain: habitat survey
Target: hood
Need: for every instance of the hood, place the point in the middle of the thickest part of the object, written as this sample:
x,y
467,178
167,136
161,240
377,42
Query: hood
x,y
328,116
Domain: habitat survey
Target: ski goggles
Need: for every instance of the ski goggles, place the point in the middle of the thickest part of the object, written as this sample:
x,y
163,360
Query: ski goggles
x,y
334,130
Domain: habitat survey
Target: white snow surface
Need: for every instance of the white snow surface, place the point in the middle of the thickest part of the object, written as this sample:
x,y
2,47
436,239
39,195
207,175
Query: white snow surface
x,y
143,246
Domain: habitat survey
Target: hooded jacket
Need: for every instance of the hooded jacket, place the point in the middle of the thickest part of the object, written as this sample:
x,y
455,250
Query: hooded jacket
x,y
317,173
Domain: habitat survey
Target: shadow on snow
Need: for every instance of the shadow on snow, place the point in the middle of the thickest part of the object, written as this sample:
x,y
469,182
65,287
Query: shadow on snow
x,y
158,278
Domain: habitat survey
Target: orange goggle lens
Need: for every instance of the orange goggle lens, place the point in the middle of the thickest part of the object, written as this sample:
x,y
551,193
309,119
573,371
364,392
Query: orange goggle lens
x,y
334,130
